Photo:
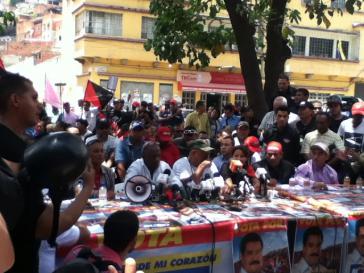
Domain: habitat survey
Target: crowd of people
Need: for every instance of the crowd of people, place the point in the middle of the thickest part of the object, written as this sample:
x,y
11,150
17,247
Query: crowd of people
x,y
204,155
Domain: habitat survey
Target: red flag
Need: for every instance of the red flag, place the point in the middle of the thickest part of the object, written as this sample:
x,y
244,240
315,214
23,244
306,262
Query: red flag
x,y
97,95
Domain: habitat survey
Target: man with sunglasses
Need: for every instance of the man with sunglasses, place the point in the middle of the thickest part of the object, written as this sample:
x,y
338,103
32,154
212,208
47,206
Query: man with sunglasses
x,y
189,133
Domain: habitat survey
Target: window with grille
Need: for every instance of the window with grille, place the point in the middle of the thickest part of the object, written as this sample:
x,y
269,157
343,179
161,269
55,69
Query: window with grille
x,y
299,45
342,50
338,4
319,96
165,92
101,23
241,99
103,83
188,99
321,47
147,27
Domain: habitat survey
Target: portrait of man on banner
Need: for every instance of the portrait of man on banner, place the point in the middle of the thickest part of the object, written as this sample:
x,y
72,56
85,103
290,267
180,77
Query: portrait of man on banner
x,y
318,249
261,252
355,257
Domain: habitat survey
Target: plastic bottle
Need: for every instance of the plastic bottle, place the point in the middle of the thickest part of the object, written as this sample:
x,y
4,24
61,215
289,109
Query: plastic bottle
x,y
359,182
346,181
102,196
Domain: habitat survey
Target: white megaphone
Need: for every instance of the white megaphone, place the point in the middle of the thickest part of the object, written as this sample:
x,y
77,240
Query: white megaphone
x,y
138,189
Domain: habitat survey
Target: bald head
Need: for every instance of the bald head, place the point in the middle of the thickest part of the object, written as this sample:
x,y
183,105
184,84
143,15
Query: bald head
x,y
279,102
151,155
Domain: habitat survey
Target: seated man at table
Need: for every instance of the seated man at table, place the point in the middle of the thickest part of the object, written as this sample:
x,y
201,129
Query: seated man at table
x,y
310,260
251,254
198,172
278,169
152,167
316,172
120,235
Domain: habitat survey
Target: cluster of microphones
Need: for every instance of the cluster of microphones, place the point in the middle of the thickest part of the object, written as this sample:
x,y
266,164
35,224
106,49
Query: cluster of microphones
x,y
139,189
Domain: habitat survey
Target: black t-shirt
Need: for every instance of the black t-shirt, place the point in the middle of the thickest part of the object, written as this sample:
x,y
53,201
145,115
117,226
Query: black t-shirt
x,y
335,123
282,173
289,139
304,129
21,204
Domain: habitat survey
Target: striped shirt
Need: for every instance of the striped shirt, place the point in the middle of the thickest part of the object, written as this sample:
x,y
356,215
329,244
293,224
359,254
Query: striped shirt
x,y
329,138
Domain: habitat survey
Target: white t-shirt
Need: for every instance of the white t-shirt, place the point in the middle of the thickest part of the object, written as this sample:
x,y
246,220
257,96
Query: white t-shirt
x,y
139,168
353,137
47,254
182,165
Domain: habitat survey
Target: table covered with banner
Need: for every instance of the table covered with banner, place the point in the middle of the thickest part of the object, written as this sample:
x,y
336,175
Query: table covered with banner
x,y
211,237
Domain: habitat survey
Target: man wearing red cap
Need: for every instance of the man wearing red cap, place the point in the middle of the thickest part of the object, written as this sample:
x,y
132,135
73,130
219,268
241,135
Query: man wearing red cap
x,y
352,132
169,151
278,169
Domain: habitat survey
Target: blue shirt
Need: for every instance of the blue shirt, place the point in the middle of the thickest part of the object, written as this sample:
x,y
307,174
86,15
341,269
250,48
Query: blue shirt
x,y
219,161
126,152
232,121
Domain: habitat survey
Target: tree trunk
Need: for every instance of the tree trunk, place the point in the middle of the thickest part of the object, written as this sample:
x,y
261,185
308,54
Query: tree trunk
x,y
244,33
277,50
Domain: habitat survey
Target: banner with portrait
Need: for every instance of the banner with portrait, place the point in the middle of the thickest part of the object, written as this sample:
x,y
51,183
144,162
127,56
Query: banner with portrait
x,y
319,244
261,245
354,260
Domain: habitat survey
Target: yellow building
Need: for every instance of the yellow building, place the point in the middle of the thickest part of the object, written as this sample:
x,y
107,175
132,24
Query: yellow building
x,y
108,37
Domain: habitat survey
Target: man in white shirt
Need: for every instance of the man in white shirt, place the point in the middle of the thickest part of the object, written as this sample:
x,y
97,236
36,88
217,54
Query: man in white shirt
x,y
251,254
270,118
352,130
197,171
151,167
90,114
355,260
310,260
103,130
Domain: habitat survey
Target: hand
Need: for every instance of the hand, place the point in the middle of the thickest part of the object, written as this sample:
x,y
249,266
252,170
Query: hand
x,y
110,195
272,182
205,164
89,175
319,186
353,154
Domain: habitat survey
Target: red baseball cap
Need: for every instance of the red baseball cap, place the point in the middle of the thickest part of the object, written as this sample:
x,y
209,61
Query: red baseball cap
x,y
173,101
135,104
253,144
358,108
164,134
274,147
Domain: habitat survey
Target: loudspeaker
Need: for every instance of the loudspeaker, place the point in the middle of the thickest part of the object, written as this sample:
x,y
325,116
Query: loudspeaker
x,y
138,189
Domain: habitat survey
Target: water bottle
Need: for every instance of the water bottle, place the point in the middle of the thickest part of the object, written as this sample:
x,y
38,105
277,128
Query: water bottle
x,y
359,182
102,196
347,181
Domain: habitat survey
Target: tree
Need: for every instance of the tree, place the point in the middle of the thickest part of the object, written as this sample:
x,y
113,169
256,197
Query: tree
x,y
259,28
7,21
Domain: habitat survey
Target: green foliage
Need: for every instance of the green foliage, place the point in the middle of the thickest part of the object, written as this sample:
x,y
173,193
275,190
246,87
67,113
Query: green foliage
x,y
7,19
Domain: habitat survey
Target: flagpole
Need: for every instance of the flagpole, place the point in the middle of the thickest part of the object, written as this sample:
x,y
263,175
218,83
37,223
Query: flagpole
x,y
60,85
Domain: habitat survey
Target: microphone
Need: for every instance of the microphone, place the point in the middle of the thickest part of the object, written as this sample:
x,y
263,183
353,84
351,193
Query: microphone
x,y
263,176
163,177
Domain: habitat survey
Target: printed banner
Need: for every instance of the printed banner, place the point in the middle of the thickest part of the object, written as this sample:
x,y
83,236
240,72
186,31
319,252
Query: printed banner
x,y
354,261
261,246
319,245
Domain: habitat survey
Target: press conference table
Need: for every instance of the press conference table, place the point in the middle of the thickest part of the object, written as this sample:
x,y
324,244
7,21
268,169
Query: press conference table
x,y
208,235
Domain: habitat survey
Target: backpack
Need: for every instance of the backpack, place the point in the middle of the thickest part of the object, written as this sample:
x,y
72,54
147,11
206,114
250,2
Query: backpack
x,y
87,261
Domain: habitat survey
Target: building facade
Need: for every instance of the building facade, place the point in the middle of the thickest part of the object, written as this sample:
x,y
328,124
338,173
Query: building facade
x,y
107,37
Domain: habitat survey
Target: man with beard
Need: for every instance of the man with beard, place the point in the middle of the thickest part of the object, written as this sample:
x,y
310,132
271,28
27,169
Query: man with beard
x,y
355,260
251,254
310,260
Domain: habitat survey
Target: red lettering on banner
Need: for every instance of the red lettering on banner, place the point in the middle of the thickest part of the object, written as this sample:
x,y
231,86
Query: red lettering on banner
x,y
186,235
226,78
